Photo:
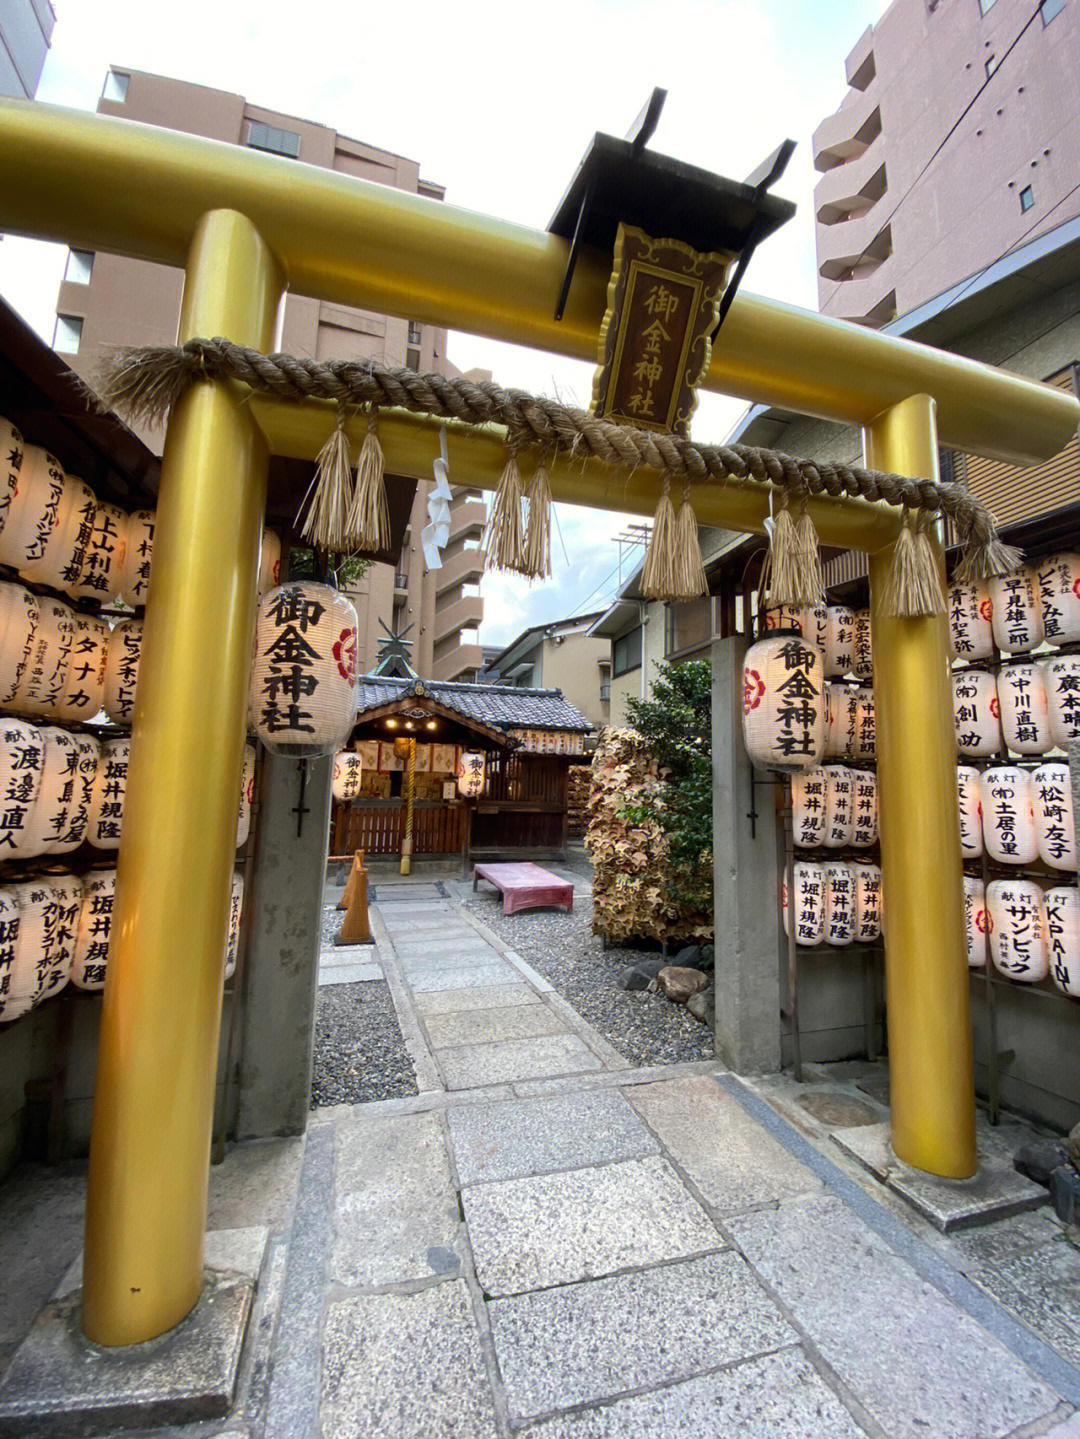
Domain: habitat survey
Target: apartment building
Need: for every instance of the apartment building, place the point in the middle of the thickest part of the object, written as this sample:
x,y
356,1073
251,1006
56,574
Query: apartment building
x,y
106,300
26,28
561,655
958,139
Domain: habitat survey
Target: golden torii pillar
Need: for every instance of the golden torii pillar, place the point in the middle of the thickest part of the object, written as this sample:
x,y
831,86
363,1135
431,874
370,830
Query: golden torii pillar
x,y
244,226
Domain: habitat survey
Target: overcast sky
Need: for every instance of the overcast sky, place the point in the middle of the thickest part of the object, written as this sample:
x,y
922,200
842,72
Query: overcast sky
x,y
498,101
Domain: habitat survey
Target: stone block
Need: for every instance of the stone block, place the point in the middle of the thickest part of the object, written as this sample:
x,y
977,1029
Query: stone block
x,y
490,1026
467,977
1038,1160
995,1191
470,1066
1065,1194
475,996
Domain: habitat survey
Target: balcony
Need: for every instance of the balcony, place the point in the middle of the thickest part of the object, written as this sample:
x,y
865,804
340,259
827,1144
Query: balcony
x,y
469,610
851,251
467,517
860,67
457,660
401,584
861,182
845,135
460,567
866,299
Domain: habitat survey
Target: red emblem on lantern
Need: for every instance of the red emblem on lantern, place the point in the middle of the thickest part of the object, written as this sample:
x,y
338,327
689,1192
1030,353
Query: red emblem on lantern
x,y
995,708
345,654
983,923
1076,585
986,610
251,789
753,690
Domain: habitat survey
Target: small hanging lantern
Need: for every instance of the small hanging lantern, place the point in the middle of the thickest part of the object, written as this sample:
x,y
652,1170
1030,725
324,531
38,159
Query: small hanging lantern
x,y
971,613
61,931
247,795
841,738
967,794
784,711
868,903
976,714
840,641
348,771
809,903
47,815
110,790
41,688
84,688
236,905
864,655
839,805
1062,906
122,670
303,682
103,556
1008,816
269,561
1062,679
1055,830
26,977
839,903
1025,716
138,555
20,616
1058,578
34,509
1017,619
1018,944
12,450
95,927
22,768
76,798
976,921
49,553
470,774
814,626
808,808
866,730
783,617
864,822
9,937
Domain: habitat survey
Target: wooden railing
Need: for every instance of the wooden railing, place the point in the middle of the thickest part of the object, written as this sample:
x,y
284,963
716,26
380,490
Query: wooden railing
x,y
377,827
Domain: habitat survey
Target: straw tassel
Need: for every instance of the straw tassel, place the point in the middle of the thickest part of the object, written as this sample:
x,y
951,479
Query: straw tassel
x,y
931,595
505,539
326,521
658,576
914,587
368,524
811,581
538,526
784,586
689,572
986,556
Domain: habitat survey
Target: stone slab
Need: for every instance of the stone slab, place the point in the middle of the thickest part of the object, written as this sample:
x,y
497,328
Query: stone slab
x,y
918,1363
469,977
997,1190
557,1228
350,973
584,1342
490,1026
395,1206
469,1066
989,1246
421,963
475,996
1069,1430
518,1138
868,1146
1042,1288
405,1366
38,1200
732,1161
227,1253
344,955
778,1397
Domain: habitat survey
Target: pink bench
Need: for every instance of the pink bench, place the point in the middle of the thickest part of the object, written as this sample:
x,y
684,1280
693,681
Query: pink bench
x,y
526,886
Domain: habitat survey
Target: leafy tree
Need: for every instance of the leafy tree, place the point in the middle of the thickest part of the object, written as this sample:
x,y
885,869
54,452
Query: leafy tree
x,y
346,570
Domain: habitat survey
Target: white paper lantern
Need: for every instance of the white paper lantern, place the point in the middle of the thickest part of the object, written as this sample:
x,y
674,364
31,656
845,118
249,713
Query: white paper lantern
x,y
868,902
103,558
22,766
84,688
1018,944
864,820
236,905
808,808
34,509
79,537
1062,678
1058,578
122,670
839,805
51,557
865,726
247,796
976,921
864,652
1055,831
269,561
76,800
842,735
784,714
809,903
303,681
783,617
1006,795
95,928
1062,908
28,971
11,457
41,689
348,771
9,936
1025,716
20,616
61,932
839,903
840,641
971,630
814,624
48,812
976,714
967,794
138,554
110,789
470,774
1018,622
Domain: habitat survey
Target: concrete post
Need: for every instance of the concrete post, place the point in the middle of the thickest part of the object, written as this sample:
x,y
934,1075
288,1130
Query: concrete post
x,y
746,881
282,962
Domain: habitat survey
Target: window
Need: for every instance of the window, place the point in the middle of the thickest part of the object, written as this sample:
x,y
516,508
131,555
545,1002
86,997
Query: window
x,y
412,359
991,65
116,86
1049,8
605,691
275,141
415,331
626,653
985,5
1027,198
79,268
68,334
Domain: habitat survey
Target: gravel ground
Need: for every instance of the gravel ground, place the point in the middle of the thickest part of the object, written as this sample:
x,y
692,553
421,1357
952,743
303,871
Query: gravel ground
x,y
359,1052
646,1028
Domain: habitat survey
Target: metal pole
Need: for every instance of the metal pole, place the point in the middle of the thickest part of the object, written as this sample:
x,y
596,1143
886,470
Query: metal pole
x,y
154,1100
930,1065
410,794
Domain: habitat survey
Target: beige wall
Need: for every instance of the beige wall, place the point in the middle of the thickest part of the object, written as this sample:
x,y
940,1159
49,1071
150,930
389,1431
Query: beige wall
x,y
636,684
571,663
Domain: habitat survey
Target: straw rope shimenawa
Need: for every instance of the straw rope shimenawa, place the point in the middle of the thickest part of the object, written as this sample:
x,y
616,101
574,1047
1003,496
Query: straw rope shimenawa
x,y
144,384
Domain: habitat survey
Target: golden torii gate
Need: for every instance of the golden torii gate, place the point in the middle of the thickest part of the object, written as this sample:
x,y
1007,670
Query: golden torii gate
x,y
245,227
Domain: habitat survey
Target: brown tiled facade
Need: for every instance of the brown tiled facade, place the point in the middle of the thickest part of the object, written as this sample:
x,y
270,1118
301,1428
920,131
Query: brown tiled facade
x,y
106,301
897,221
